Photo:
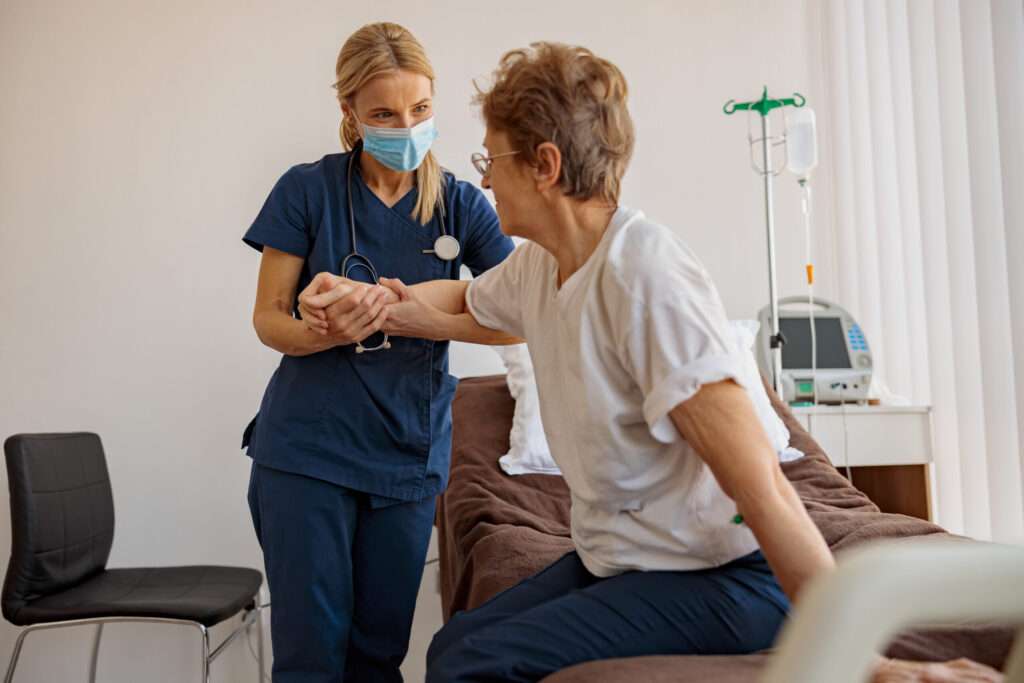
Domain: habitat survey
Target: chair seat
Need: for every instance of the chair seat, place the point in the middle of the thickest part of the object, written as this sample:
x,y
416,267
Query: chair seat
x,y
206,594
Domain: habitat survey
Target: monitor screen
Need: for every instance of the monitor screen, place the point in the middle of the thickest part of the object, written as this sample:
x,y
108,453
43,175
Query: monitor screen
x,y
796,352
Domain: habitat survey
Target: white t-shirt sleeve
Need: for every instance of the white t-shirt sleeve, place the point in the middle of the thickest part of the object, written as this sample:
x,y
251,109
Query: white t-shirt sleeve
x,y
495,298
678,336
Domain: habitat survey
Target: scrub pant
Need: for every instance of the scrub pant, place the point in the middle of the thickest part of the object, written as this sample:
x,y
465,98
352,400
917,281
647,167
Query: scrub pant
x,y
565,615
343,577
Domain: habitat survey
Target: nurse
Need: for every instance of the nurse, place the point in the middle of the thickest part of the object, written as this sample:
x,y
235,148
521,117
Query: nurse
x,y
352,440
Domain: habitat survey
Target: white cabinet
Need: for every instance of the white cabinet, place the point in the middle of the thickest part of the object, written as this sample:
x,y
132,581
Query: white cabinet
x,y
870,435
888,450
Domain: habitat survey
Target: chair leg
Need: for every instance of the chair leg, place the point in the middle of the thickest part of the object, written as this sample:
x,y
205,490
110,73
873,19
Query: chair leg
x,y
259,641
15,654
95,653
205,671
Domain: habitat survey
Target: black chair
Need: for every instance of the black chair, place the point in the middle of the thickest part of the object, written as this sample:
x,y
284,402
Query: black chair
x,y
62,523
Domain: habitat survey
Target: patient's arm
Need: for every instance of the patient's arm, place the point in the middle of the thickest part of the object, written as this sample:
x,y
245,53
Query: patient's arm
x,y
437,310
448,296
720,424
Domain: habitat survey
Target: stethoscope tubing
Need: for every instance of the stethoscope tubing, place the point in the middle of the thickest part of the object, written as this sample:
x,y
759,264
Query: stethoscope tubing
x,y
446,247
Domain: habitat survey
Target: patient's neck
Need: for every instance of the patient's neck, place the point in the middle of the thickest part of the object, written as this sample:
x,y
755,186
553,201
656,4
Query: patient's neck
x,y
578,229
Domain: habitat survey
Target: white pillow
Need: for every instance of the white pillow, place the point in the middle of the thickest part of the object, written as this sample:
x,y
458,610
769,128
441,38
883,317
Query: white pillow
x,y
528,447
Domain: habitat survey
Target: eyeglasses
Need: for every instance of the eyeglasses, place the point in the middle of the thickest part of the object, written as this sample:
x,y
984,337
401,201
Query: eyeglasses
x,y
483,163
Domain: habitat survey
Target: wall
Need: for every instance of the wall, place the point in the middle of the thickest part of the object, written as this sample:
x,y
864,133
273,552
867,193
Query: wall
x,y
139,139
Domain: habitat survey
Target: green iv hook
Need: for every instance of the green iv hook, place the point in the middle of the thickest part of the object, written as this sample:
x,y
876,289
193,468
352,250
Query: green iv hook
x,y
764,106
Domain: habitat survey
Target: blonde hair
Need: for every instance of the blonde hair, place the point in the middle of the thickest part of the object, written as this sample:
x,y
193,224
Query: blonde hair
x,y
372,51
565,95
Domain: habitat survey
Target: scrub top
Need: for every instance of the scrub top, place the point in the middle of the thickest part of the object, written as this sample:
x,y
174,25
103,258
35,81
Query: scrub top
x,y
380,421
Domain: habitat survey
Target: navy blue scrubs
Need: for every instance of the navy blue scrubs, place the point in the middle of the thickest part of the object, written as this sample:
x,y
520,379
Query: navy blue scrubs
x,y
349,450
565,615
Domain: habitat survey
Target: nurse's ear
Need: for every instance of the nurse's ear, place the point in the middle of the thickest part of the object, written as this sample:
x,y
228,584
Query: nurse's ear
x,y
548,169
349,127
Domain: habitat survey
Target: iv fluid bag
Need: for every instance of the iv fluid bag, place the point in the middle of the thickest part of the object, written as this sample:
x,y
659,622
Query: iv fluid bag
x,y
801,141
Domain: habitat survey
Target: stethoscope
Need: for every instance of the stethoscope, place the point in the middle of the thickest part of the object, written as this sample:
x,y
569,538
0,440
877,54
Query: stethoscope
x,y
446,248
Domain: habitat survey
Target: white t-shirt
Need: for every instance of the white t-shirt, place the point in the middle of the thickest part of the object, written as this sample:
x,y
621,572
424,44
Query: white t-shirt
x,y
628,337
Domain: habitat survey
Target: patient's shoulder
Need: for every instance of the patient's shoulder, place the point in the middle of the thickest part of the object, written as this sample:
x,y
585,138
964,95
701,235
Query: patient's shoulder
x,y
646,255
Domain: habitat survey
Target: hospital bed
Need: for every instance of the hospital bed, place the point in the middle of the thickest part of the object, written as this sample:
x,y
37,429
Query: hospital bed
x,y
495,530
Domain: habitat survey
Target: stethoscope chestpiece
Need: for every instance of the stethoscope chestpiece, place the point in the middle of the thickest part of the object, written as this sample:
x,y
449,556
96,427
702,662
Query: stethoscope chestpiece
x,y
445,248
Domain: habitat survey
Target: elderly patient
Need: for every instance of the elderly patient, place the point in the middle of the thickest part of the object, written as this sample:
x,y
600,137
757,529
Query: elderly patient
x,y
688,538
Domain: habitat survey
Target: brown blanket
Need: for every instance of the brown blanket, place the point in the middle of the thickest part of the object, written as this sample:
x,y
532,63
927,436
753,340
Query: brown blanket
x,y
495,530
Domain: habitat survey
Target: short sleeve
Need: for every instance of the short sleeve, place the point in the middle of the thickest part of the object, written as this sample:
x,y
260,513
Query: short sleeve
x,y
678,336
486,246
495,299
282,222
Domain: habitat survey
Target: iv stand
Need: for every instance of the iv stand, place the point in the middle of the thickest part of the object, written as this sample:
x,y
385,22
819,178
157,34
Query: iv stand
x,y
763,107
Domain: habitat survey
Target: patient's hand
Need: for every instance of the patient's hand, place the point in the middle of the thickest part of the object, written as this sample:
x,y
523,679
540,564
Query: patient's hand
x,y
954,671
409,315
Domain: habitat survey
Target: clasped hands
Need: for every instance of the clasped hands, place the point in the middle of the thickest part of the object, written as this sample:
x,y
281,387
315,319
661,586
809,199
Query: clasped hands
x,y
348,311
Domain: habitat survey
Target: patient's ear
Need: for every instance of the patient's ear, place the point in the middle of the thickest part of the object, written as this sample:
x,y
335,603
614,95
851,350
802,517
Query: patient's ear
x,y
549,166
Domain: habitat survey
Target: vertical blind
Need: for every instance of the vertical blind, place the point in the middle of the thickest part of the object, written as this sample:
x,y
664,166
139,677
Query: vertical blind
x,y
923,124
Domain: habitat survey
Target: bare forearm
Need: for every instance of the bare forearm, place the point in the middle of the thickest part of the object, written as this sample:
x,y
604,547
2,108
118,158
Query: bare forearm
x,y
464,328
448,296
721,425
440,326
788,538
283,333
272,312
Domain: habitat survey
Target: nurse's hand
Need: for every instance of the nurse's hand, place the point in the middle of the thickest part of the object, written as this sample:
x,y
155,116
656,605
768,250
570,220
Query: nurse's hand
x,y
344,310
409,315
357,315
312,306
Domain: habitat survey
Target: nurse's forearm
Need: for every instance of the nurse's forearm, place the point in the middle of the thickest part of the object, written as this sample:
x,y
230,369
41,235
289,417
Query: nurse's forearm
x,y
448,296
283,333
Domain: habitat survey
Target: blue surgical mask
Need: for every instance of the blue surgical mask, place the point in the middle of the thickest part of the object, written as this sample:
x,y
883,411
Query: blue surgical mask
x,y
400,149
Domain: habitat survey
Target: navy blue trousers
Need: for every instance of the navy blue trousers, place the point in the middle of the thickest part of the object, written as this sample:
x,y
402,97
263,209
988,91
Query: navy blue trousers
x,y
343,577
565,615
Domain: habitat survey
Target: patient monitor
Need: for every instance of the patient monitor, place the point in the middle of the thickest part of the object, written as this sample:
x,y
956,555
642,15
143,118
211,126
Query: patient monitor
x,y
842,373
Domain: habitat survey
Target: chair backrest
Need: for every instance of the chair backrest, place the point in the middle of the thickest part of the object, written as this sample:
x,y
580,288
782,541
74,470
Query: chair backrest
x,y
62,514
